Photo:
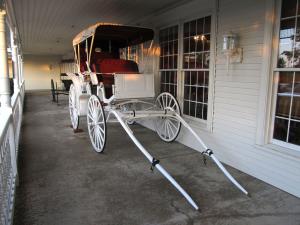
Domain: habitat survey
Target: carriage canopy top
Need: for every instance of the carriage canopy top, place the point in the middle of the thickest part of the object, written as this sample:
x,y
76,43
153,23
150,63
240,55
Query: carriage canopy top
x,y
123,35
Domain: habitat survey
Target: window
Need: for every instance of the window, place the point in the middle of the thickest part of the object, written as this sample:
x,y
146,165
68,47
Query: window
x,y
168,42
130,53
287,111
196,56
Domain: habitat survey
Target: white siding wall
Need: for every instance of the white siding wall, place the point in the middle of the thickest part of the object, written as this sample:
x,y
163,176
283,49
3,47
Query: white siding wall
x,y
236,95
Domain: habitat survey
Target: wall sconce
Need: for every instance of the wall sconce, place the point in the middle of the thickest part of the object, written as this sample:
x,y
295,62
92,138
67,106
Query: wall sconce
x,y
230,49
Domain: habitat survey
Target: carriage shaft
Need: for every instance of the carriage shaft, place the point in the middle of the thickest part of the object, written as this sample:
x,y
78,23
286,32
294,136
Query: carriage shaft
x,y
209,153
151,160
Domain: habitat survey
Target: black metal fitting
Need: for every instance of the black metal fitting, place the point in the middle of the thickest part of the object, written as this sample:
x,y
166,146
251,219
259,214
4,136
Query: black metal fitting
x,y
154,163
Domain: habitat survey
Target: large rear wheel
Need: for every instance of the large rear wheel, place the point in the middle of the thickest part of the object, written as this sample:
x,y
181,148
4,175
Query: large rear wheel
x,y
96,123
167,128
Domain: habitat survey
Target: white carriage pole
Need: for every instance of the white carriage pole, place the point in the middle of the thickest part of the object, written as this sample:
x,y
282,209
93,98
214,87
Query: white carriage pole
x,y
210,154
150,158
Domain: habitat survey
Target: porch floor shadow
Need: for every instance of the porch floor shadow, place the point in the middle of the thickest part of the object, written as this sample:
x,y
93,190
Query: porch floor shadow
x,y
62,181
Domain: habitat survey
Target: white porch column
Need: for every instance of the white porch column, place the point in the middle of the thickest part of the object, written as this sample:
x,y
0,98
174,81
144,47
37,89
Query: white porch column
x,y
20,61
14,50
4,76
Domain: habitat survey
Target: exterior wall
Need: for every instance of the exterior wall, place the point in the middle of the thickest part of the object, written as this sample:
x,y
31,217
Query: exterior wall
x,y
39,70
237,108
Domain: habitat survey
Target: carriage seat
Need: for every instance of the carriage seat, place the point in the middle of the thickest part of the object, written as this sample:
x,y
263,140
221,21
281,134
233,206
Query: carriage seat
x,y
107,67
110,66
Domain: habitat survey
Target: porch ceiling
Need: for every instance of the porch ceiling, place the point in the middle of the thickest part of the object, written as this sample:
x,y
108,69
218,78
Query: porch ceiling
x,y
47,27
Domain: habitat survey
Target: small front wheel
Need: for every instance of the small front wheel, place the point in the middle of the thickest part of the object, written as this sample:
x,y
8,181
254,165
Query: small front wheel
x,y
167,128
96,123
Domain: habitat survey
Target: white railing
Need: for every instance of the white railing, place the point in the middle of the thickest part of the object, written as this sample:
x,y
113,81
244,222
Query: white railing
x,y
10,126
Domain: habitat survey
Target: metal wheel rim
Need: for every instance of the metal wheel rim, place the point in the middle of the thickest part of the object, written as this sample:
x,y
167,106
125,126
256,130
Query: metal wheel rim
x,y
96,123
167,128
72,107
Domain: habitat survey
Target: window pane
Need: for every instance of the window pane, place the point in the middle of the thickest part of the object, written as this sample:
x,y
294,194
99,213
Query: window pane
x,y
205,112
206,58
187,92
283,106
280,129
175,47
161,62
199,45
171,48
171,62
200,94
297,46
294,134
206,42
200,80
199,60
162,77
166,62
287,32
193,28
193,77
288,8
207,22
193,93
192,109
192,45
205,95
175,61
285,83
200,24
206,78
186,44
199,111
296,108
186,108
297,84
187,78
186,30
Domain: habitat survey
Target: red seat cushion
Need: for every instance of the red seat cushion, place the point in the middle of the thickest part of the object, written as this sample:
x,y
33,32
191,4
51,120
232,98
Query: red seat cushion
x,y
117,66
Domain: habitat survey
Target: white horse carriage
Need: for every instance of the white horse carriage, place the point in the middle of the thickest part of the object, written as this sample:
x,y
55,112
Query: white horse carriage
x,y
110,89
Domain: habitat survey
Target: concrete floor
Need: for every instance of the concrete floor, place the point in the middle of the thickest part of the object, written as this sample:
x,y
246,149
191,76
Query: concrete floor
x,y
64,182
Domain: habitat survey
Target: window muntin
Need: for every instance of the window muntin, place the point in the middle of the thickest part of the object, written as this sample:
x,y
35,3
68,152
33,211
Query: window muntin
x,y
289,35
168,42
196,56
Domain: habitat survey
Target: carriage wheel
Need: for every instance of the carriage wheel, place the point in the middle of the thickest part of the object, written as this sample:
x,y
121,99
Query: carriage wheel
x,y
166,127
96,123
72,107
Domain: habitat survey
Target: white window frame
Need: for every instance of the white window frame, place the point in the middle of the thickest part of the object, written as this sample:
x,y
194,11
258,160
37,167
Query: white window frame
x,y
269,83
194,121
205,125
